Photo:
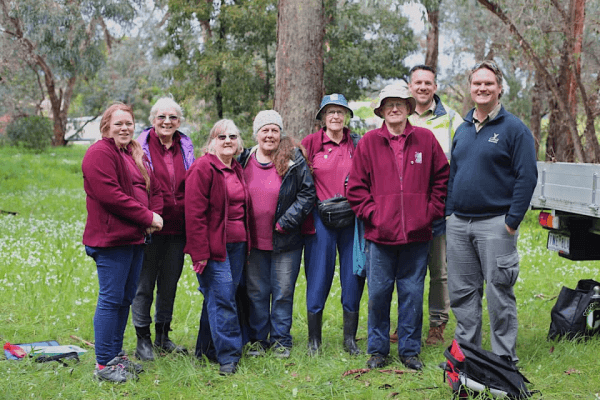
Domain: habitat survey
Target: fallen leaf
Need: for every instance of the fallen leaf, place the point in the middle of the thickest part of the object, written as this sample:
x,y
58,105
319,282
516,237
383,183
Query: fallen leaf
x,y
393,394
572,371
294,374
385,386
356,372
551,349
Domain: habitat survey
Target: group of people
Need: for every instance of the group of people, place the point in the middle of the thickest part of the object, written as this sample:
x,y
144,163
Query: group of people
x,y
245,216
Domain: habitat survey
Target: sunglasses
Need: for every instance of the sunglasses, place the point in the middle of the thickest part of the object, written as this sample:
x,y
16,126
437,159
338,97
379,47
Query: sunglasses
x,y
170,117
232,137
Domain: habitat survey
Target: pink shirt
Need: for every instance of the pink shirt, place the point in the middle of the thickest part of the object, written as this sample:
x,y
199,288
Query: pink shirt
x,y
331,166
264,184
235,228
139,184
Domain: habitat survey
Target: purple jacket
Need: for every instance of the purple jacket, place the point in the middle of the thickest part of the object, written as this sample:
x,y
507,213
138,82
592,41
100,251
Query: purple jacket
x,y
398,203
186,146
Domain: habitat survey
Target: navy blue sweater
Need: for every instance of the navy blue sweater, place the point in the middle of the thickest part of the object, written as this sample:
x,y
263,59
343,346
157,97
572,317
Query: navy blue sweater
x,y
493,171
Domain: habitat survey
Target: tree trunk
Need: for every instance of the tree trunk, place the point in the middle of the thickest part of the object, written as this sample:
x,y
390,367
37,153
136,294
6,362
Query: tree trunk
x,y
299,64
536,113
433,35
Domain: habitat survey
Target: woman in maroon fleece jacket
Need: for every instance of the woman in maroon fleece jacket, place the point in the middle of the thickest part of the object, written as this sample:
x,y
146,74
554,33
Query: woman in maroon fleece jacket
x,y
123,201
216,224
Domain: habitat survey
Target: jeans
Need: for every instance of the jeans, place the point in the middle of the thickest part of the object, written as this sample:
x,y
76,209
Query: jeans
x,y
118,272
319,265
220,335
163,263
271,279
406,266
481,250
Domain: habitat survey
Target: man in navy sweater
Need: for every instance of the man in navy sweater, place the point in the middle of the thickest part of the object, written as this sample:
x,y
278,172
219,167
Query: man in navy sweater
x,y
492,177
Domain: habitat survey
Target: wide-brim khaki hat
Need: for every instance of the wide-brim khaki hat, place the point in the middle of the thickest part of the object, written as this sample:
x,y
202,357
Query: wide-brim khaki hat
x,y
396,90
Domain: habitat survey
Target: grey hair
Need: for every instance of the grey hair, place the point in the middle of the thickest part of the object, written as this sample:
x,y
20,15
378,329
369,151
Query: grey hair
x,y
223,126
163,103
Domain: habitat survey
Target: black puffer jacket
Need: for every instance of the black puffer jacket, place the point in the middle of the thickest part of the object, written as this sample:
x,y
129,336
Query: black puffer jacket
x,y
297,196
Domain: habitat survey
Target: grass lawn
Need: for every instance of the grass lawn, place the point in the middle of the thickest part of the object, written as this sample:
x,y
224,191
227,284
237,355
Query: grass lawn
x,y
48,290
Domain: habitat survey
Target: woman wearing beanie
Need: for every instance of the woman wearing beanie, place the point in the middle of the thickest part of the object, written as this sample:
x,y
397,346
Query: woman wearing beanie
x,y
282,194
330,151
216,223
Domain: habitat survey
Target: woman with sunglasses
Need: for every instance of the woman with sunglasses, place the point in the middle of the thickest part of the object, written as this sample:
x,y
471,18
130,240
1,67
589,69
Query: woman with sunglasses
x,y
282,194
171,154
216,220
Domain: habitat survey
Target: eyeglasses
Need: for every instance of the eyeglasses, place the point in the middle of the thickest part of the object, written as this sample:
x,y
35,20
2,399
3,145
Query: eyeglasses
x,y
170,117
334,112
231,136
397,104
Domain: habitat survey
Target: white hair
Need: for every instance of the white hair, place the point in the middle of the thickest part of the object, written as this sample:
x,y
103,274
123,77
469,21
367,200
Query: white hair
x,y
164,103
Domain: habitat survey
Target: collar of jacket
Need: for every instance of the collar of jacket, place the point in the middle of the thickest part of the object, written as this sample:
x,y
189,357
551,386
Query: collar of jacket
x,y
501,114
385,133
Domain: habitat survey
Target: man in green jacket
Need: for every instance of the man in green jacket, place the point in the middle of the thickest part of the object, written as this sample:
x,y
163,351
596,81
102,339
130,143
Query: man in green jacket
x,y
443,121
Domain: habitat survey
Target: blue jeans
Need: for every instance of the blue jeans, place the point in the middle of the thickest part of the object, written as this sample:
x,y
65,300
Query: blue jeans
x,y
271,280
220,335
163,263
319,265
118,272
406,266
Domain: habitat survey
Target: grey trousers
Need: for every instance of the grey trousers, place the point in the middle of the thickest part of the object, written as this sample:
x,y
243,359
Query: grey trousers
x,y
481,250
439,302
163,262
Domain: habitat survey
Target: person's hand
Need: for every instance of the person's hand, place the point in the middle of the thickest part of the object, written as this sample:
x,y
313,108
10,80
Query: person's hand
x,y
199,266
157,222
510,230
150,230
279,229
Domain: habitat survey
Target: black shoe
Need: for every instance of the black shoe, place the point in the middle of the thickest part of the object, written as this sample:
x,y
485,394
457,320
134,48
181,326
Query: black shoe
x,y
228,369
376,361
350,328
130,365
315,321
162,341
143,350
412,362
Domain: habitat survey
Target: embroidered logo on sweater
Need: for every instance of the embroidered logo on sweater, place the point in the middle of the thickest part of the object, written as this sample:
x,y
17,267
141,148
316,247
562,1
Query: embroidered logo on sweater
x,y
493,139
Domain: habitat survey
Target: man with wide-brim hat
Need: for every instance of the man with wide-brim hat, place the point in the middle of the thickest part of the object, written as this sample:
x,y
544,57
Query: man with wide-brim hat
x,y
397,186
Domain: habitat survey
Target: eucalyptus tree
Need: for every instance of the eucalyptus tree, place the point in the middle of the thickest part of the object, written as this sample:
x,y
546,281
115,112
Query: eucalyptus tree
x,y
62,41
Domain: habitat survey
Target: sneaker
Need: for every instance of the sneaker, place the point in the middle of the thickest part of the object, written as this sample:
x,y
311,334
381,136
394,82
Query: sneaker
x,y
255,350
376,361
281,352
228,369
412,362
114,372
129,365
435,335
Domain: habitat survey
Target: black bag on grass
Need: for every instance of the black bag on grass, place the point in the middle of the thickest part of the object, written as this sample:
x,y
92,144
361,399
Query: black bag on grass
x,y
470,368
576,313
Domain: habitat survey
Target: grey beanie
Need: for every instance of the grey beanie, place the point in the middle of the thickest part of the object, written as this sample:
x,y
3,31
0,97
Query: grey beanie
x,y
267,117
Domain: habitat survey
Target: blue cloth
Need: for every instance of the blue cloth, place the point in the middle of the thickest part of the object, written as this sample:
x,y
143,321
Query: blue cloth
x,y
163,263
359,259
219,322
404,265
319,266
493,172
271,281
118,272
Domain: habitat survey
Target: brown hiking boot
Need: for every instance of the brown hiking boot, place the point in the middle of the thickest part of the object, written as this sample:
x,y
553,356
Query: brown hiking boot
x,y
435,335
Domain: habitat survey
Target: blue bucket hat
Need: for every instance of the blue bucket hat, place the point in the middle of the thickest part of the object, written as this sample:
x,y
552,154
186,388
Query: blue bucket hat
x,y
335,99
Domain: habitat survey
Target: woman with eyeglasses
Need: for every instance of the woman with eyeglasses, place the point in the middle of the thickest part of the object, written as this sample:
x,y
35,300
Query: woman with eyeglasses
x,y
123,200
216,220
330,151
282,194
171,154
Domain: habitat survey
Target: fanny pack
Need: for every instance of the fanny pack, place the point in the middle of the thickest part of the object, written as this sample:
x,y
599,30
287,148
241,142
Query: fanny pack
x,y
336,212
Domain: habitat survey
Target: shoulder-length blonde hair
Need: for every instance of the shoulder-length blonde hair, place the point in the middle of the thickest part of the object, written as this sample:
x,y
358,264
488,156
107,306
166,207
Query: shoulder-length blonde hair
x,y
223,127
136,149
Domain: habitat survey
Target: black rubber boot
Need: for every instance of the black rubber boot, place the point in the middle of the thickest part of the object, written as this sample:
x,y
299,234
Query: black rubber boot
x,y
350,328
143,351
315,321
162,341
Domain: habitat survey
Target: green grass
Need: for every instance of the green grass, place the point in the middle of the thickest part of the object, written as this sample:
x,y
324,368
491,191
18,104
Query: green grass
x,y
48,290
